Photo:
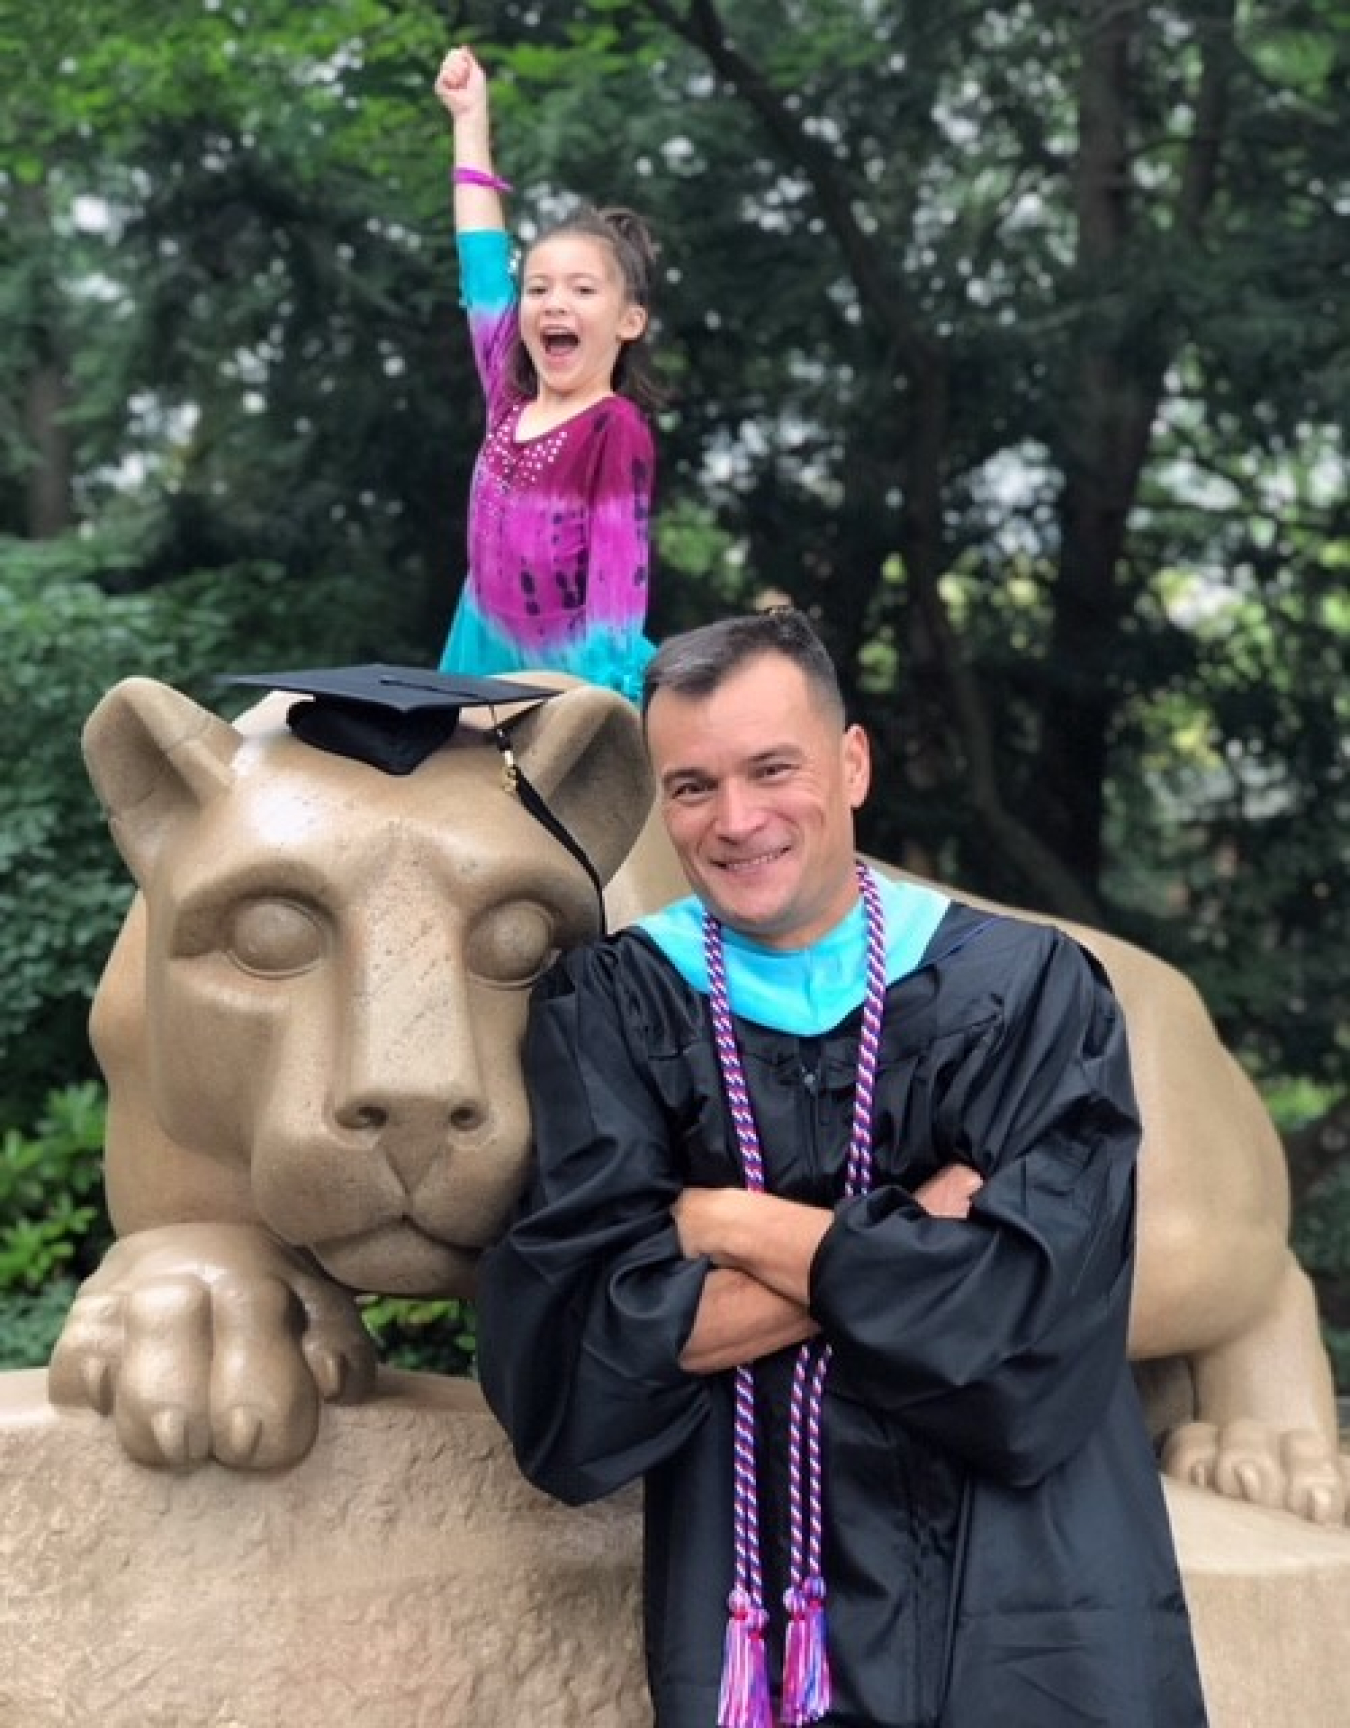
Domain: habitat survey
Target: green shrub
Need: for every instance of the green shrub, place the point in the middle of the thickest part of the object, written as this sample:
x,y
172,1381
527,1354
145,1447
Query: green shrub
x,y
438,1337
55,1227
31,1322
51,1192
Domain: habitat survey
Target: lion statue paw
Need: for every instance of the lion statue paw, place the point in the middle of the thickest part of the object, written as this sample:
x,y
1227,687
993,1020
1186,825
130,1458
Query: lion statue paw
x,y
1293,1470
211,1341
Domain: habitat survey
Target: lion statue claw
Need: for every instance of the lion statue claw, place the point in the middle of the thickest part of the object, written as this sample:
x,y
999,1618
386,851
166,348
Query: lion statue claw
x,y
310,1027
1289,1471
211,1341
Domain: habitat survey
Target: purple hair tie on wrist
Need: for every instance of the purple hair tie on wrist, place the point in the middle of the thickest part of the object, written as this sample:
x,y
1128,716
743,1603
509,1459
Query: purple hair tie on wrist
x,y
480,177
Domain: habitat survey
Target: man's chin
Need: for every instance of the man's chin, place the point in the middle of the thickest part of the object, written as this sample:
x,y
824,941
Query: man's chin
x,y
755,909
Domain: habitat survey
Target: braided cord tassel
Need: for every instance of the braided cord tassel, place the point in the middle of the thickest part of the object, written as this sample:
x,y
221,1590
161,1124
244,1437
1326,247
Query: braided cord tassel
x,y
807,1686
806,1663
858,1177
743,1698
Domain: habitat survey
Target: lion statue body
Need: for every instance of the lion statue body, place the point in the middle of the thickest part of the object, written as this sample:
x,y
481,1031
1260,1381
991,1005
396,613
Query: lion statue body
x,y
310,1027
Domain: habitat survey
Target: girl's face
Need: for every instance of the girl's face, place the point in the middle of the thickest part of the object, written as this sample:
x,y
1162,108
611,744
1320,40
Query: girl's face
x,y
575,317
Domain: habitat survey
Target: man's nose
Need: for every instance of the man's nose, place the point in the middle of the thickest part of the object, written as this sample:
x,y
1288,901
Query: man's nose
x,y
737,808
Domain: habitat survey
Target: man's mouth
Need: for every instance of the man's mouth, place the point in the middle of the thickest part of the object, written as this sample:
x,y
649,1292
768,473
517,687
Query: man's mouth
x,y
734,866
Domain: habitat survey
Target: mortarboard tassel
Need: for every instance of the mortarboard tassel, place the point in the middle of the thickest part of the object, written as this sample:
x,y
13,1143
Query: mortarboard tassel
x,y
743,1701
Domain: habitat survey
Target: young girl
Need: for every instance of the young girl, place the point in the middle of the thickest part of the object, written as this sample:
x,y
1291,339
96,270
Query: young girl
x,y
560,506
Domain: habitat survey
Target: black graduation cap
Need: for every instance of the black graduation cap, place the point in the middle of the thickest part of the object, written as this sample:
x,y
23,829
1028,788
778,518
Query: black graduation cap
x,y
393,717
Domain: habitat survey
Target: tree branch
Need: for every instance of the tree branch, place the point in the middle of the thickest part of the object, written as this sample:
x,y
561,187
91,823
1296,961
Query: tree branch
x,y
922,361
879,289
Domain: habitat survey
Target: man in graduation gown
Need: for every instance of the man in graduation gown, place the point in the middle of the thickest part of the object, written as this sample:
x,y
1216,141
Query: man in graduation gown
x,y
830,1242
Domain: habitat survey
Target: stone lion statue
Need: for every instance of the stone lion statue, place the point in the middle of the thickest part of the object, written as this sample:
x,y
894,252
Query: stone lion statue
x,y
310,1027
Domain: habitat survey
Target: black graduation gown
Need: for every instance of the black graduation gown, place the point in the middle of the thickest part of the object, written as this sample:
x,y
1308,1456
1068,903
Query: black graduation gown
x,y
997,1551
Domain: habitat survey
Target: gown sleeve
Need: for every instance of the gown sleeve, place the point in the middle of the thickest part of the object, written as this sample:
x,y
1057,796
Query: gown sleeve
x,y
586,1303
1001,1337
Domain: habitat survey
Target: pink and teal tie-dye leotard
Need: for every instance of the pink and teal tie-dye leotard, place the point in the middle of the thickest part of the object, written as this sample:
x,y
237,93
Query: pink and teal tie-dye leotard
x,y
558,524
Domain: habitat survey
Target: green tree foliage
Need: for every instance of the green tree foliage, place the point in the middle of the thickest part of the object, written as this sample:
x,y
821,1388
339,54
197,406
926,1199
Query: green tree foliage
x,y
1011,341
231,300
63,641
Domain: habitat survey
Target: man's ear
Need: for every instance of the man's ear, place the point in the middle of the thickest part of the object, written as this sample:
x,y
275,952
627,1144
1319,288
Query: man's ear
x,y
156,759
582,751
857,765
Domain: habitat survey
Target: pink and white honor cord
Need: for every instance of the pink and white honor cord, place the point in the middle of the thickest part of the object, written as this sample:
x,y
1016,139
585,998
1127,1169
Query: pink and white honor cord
x,y
744,1700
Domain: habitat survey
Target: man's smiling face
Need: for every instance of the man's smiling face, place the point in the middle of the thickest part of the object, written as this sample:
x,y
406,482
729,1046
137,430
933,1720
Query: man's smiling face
x,y
758,786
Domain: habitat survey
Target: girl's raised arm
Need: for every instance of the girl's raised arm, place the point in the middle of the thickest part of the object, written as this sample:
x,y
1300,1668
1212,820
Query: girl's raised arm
x,y
462,88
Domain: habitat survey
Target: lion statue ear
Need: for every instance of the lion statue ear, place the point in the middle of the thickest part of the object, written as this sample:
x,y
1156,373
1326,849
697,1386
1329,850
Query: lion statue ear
x,y
155,758
583,753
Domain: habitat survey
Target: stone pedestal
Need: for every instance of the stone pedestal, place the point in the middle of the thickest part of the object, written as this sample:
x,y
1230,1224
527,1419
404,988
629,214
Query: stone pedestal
x,y
404,1575
1270,1603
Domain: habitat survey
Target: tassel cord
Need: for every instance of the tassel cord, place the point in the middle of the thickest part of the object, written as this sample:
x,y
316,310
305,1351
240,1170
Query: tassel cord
x,y
807,1688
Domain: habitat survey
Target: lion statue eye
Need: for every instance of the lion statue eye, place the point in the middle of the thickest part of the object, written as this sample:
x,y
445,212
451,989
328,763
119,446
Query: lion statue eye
x,y
274,937
511,945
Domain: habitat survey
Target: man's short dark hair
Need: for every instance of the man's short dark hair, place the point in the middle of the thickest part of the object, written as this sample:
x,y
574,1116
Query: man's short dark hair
x,y
697,662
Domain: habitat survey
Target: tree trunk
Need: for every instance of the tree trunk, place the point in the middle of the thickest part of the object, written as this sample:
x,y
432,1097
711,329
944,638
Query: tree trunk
x,y
1112,398
49,494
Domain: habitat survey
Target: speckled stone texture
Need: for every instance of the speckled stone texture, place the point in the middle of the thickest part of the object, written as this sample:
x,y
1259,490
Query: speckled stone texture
x,y
404,1576
1270,1603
